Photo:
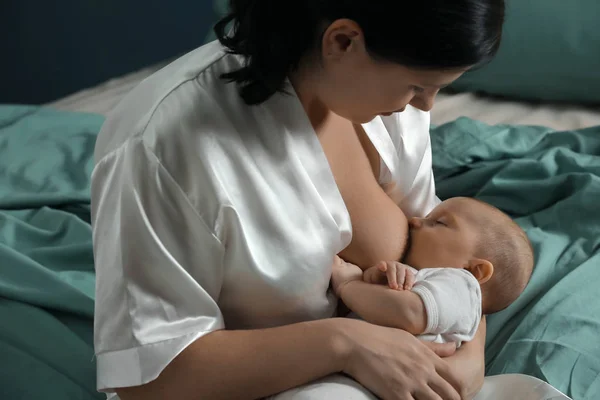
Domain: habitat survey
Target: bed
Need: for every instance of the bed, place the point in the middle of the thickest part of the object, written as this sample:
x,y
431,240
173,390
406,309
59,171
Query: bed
x,y
535,157
492,110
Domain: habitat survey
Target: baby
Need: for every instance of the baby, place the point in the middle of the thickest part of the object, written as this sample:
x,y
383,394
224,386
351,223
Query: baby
x,y
465,259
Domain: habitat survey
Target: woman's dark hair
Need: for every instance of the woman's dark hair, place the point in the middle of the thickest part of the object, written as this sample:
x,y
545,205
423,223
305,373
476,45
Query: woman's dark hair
x,y
273,35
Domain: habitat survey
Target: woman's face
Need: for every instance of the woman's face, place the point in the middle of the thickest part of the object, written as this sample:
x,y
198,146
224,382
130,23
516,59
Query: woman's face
x,y
356,86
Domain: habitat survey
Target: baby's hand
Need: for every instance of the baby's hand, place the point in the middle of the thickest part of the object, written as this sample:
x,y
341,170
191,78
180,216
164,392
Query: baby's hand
x,y
398,276
342,273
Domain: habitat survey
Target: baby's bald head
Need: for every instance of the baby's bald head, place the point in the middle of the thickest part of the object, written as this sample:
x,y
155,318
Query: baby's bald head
x,y
503,243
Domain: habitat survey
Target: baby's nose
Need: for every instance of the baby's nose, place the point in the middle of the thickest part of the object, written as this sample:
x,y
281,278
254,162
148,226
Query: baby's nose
x,y
415,222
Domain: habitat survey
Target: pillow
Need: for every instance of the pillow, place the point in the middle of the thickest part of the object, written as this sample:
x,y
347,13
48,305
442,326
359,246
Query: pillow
x,y
550,51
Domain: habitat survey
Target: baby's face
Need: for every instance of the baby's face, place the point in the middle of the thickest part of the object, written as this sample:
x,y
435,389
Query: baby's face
x,y
446,237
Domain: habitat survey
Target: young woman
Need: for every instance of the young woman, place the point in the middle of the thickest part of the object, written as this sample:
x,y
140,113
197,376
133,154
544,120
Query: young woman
x,y
219,200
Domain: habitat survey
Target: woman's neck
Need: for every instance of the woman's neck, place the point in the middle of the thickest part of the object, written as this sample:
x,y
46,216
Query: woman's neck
x,y
305,80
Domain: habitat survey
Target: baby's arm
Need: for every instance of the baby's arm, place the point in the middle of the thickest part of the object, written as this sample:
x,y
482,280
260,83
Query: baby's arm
x,y
379,304
445,301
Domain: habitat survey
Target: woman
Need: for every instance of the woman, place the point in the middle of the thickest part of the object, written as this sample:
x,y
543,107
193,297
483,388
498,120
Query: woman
x,y
220,190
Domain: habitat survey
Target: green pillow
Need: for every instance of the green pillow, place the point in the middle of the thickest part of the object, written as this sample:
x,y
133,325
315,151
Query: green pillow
x,y
550,51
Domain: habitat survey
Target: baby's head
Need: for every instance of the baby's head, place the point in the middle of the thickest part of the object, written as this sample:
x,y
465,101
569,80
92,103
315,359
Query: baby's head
x,y
467,233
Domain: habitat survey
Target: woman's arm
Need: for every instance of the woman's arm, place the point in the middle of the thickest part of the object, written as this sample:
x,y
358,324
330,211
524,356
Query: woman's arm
x,y
248,364
257,363
469,363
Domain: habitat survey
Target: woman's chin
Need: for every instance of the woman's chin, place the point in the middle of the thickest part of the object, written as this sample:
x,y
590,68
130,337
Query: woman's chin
x,y
357,119
363,119
357,115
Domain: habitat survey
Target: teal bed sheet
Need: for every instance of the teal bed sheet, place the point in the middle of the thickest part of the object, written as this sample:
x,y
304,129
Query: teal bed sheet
x,y
548,181
46,263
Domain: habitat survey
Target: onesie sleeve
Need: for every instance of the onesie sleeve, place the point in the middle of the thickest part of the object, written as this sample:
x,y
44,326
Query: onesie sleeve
x,y
452,299
158,268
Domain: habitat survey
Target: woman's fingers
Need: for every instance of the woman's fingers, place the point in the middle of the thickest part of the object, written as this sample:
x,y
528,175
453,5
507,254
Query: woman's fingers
x,y
443,389
427,393
395,365
442,349
445,383
448,375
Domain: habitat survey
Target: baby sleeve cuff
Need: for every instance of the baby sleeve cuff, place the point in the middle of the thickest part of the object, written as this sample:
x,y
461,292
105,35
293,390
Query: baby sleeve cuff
x,y
431,307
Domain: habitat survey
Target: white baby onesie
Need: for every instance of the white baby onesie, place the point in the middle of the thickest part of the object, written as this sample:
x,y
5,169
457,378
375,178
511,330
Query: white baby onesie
x,y
452,299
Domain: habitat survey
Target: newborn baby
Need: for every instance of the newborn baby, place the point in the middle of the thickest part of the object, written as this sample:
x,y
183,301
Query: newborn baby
x,y
465,259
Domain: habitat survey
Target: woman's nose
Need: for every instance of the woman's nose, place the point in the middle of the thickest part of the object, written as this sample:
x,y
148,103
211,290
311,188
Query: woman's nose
x,y
424,102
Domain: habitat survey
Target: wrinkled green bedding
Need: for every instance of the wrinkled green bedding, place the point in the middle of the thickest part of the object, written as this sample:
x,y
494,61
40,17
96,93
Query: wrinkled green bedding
x,y
46,264
550,182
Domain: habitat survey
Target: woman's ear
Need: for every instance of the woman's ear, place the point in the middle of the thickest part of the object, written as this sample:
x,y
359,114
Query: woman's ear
x,y
340,37
481,269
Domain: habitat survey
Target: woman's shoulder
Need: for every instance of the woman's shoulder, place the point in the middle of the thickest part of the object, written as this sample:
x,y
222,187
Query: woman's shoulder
x,y
178,98
175,119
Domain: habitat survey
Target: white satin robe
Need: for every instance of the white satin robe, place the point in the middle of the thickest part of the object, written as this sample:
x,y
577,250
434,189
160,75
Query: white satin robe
x,y
209,214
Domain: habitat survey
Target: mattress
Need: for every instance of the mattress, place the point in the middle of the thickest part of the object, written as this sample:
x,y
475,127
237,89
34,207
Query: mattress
x,y
102,98
493,111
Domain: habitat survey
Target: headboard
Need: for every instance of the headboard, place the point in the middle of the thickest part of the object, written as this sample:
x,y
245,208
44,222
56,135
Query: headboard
x,y
49,49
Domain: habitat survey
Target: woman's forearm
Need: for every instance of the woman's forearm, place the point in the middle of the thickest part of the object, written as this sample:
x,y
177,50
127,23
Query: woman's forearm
x,y
250,364
469,363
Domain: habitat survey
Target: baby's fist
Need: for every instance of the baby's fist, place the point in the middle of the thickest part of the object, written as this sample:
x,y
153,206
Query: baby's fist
x,y
342,273
396,275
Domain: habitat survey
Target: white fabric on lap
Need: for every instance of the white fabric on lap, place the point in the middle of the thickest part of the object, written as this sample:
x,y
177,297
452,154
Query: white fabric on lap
x,y
332,387
518,387
501,387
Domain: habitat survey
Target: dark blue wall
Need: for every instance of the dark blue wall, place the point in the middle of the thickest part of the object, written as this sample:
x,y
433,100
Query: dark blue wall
x,y
49,49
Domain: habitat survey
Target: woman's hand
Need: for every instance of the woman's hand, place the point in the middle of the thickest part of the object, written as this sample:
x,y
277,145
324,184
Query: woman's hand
x,y
342,273
469,363
397,366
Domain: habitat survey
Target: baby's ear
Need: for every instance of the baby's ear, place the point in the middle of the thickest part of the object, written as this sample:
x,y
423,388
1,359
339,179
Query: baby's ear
x,y
481,269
